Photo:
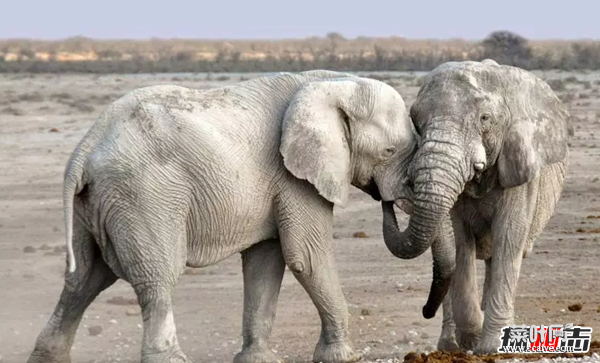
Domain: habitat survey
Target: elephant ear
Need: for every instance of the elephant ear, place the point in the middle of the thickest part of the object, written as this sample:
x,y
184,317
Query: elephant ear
x,y
538,131
315,136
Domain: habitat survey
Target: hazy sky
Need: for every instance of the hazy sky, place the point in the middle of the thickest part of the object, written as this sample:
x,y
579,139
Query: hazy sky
x,y
225,19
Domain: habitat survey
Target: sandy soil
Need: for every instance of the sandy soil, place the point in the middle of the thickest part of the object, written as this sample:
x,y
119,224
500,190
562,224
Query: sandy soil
x,y
42,117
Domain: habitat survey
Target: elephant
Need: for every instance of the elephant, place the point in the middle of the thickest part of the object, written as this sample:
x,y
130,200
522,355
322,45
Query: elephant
x,y
486,178
169,177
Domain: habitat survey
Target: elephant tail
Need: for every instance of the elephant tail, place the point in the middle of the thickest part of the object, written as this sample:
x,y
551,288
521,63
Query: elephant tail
x,y
74,183
75,177
75,180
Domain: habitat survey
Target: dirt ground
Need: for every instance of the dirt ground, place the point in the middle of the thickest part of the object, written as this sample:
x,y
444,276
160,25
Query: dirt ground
x,y
42,117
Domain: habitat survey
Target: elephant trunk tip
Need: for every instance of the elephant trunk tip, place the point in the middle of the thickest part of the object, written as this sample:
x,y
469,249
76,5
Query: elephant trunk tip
x,y
437,293
429,311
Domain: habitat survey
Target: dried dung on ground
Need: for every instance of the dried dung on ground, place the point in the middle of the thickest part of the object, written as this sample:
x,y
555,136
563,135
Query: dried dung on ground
x,y
462,357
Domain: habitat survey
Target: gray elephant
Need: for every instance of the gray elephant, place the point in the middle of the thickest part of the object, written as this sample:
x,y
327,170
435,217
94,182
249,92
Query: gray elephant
x,y
486,178
170,177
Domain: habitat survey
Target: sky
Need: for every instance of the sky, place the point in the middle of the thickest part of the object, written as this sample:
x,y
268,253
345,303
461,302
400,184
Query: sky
x,y
276,19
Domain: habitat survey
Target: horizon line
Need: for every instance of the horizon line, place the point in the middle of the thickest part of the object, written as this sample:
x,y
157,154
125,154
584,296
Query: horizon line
x,y
309,37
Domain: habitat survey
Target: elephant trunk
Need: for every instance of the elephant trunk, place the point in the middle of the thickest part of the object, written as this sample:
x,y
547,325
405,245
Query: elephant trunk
x,y
434,194
444,262
436,189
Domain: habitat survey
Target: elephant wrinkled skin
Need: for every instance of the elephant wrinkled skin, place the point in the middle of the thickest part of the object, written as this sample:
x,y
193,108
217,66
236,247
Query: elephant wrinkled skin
x,y
170,177
486,178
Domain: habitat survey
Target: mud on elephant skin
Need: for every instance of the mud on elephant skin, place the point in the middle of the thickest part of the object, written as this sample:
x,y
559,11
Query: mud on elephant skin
x,y
171,176
486,178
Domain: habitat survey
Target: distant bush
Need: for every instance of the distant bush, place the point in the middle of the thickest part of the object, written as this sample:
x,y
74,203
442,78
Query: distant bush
x,y
507,48
25,53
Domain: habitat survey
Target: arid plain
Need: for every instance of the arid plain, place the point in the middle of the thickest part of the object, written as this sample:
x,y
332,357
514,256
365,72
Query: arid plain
x,y
42,117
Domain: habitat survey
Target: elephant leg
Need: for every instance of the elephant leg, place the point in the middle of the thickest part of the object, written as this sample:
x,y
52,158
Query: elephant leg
x,y
306,235
319,278
91,277
447,341
153,262
510,232
486,283
263,268
466,309
160,344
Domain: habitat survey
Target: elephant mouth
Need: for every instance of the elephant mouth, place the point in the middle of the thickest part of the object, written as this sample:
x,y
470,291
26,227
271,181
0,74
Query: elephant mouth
x,y
478,175
372,189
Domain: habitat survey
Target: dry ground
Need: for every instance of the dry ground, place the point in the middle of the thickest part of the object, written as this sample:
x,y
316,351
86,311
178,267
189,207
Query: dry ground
x,y
42,118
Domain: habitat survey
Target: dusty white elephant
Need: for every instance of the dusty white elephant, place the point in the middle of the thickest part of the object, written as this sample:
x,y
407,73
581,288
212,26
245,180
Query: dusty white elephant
x,y
170,177
492,156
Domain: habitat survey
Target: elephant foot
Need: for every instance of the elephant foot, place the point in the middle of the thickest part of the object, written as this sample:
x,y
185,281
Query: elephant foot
x,y
447,342
256,355
487,345
170,356
44,356
339,352
467,340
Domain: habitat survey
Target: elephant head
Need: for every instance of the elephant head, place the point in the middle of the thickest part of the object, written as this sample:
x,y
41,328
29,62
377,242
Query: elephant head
x,y
341,130
479,123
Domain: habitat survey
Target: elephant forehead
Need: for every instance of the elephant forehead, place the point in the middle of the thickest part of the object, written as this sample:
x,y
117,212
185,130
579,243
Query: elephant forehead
x,y
459,96
465,77
472,74
460,78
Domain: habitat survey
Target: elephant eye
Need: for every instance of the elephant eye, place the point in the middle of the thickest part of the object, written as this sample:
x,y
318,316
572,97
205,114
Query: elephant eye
x,y
389,151
486,117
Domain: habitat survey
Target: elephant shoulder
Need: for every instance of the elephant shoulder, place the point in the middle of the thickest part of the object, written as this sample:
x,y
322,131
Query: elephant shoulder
x,y
171,97
164,106
160,95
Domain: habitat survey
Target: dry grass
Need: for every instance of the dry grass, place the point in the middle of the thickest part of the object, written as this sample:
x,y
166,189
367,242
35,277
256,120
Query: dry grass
x,y
197,48
80,54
